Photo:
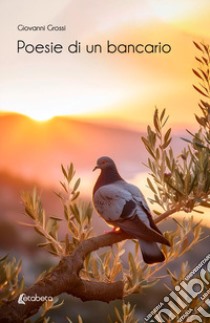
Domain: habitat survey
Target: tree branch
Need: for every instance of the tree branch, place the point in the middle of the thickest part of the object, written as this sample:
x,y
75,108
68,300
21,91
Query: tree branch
x,y
165,215
64,278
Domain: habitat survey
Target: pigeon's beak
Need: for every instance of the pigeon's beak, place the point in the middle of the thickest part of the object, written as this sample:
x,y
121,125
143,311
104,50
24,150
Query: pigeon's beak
x,y
96,167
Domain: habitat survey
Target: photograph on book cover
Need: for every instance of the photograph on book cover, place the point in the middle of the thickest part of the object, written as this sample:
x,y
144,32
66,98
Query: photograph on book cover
x,y
105,164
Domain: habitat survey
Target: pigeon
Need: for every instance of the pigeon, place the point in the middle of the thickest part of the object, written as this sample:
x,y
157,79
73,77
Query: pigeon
x,y
123,206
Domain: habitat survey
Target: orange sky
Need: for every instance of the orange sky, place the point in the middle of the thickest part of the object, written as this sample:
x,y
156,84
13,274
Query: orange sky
x,y
120,87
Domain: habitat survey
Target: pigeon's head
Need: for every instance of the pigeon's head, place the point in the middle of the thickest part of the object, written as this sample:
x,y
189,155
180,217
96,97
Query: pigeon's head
x,y
104,162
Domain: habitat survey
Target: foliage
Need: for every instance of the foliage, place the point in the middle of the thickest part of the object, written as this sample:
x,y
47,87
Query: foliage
x,y
182,182
77,216
104,267
11,284
126,315
177,182
44,311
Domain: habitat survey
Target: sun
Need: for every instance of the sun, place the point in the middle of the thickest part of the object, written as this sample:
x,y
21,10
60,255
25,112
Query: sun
x,y
89,104
36,114
40,116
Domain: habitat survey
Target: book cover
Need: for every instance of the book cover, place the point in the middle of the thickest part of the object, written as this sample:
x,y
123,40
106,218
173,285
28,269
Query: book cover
x,y
85,79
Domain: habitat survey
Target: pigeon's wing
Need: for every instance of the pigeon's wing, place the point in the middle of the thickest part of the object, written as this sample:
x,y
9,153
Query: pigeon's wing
x,y
143,206
136,194
142,217
110,201
139,230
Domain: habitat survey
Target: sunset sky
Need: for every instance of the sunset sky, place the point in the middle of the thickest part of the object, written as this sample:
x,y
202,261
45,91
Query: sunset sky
x,y
121,88
114,89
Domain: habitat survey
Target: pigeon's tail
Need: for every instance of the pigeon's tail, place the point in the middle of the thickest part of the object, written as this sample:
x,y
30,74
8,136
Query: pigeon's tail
x,y
151,252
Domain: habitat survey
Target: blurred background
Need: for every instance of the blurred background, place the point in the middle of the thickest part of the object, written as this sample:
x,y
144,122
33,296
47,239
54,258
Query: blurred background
x,y
76,107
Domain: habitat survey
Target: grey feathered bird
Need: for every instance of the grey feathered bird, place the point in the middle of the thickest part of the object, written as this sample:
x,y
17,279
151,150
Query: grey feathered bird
x,y
123,205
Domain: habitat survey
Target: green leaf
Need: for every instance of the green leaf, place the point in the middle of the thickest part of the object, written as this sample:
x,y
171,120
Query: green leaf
x,y
201,121
148,147
156,121
80,320
64,171
206,47
71,173
167,135
75,196
198,46
198,90
204,75
43,244
3,258
151,186
197,74
205,61
117,313
166,143
164,123
162,115
76,185
199,60
187,140
56,218
132,264
64,186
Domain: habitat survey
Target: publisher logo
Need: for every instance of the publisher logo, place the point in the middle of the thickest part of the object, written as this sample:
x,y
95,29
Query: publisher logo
x,y
23,298
20,299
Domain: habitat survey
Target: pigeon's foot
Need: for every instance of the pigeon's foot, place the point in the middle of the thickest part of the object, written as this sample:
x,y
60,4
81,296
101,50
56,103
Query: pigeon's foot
x,y
114,229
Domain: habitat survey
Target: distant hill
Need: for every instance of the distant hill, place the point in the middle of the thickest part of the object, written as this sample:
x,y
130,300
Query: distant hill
x,y
35,150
